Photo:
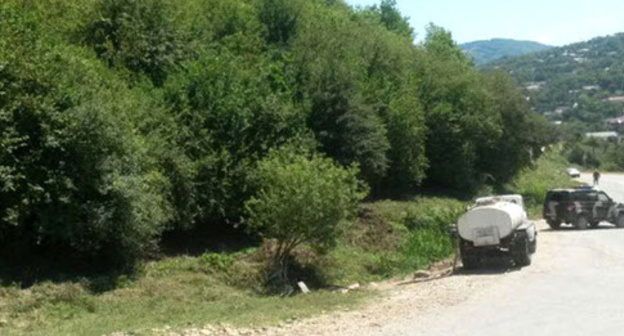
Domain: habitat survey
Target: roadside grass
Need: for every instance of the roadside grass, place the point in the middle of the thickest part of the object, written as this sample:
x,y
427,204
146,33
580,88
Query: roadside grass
x,y
390,238
177,292
548,172
395,238
427,221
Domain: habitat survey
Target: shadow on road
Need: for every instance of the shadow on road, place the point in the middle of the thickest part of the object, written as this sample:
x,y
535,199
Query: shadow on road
x,y
571,228
490,266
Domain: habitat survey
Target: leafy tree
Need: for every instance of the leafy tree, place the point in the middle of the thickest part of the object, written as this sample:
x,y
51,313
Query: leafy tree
x,y
301,199
348,130
229,115
75,173
280,20
389,16
459,116
523,132
137,35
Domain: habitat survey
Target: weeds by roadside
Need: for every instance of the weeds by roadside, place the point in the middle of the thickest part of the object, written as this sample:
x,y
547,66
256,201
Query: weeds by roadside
x,y
548,172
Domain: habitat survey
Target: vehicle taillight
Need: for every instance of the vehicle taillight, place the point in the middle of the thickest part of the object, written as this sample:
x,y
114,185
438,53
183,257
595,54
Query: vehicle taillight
x,y
571,208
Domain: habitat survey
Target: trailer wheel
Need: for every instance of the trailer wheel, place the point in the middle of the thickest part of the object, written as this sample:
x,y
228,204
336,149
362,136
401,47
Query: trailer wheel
x,y
581,222
470,260
620,221
522,252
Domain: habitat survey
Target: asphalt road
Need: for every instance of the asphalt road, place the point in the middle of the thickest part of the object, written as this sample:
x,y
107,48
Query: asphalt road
x,y
612,184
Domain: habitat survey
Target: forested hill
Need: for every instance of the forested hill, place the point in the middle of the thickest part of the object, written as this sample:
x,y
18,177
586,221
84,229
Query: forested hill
x,y
577,84
123,119
490,50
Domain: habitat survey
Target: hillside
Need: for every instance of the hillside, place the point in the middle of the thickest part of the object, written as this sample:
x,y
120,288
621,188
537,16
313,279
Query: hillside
x,y
126,123
490,50
579,84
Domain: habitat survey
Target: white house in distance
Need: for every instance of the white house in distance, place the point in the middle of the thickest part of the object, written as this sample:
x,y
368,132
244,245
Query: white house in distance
x,y
616,124
604,135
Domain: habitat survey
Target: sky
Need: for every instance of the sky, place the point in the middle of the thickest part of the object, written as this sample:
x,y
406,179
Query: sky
x,y
553,22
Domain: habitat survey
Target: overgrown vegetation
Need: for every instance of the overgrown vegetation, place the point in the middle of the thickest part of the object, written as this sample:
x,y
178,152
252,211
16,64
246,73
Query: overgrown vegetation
x,y
301,200
122,120
547,173
594,153
388,238
252,122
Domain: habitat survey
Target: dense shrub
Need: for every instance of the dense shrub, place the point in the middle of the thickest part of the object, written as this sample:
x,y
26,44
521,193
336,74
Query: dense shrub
x,y
120,119
301,200
138,35
73,170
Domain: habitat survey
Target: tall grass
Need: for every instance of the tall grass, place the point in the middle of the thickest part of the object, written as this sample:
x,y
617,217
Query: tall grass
x,y
548,172
427,221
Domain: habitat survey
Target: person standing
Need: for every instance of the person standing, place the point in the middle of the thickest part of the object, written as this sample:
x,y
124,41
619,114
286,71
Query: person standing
x,y
596,177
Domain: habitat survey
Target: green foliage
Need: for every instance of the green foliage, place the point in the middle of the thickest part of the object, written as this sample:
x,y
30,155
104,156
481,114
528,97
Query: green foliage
x,y
122,119
389,16
523,132
228,115
138,35
280,20
461,121
302,200
594,153
533,182
74,171
220,262
428,239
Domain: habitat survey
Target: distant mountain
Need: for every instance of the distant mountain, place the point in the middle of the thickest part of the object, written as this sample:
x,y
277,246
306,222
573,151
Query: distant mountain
x,y
581,82
489,50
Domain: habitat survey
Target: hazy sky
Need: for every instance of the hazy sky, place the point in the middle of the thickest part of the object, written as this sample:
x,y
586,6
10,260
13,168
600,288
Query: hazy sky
x,y
554,22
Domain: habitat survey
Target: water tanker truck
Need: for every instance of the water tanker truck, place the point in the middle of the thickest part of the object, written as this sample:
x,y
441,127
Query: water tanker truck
x,y
494,225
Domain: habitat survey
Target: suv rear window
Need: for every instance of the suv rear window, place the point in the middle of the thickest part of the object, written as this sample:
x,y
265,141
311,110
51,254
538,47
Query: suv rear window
x,y
585,196
557,196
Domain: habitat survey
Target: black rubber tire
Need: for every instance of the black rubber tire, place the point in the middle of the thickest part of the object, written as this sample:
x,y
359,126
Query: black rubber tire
x,y
594,225
522,252
470,261
619,222
581,222
555,225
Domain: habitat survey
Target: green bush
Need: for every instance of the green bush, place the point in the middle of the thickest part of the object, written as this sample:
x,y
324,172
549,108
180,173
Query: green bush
x,y
301,200
138,35
74,169
548,172
427,240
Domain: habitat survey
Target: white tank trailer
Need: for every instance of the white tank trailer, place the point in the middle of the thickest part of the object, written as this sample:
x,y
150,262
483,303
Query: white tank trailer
x,y
496,224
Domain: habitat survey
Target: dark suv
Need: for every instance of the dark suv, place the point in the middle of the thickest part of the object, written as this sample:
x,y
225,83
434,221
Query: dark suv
x,y
582,207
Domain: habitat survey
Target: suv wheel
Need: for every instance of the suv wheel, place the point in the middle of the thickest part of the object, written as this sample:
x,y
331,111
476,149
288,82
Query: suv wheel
x,y
620,221
594,224
554,224
581,222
